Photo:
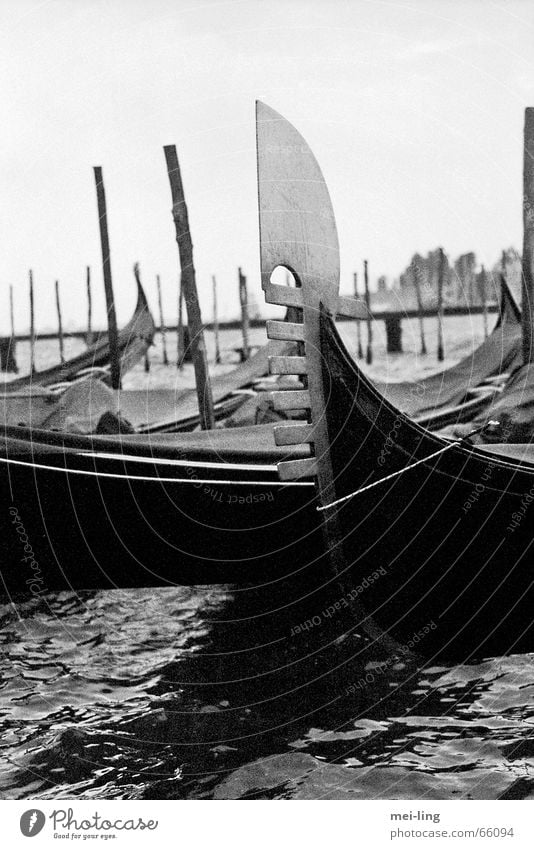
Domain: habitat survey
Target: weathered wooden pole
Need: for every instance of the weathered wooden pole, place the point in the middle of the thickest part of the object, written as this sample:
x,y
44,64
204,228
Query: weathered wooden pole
x,y
12,356
483,290
369,357
59,325
441,282
188,284
243,300
9,362
216,321
358,322
89,339
113,336
11,312
162,328
32,327
180,336
420,307
527,277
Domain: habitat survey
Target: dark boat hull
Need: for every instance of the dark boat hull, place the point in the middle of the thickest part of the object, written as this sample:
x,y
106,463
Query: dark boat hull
x,y
453,534
440,399
80,519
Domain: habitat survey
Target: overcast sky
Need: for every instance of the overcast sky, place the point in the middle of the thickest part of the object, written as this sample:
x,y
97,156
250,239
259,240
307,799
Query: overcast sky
x,y
414,111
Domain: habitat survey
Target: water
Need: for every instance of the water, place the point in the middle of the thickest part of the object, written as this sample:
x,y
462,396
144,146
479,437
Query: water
x,y
204,692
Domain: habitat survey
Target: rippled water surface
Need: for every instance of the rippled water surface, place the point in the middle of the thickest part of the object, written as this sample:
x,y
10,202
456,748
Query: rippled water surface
x,y
204,692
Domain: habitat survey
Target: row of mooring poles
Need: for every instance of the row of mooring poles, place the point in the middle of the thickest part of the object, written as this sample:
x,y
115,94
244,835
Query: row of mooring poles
x,y
394,328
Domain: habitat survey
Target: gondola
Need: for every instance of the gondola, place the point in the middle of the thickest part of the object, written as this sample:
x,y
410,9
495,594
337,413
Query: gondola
x,y
447,521
133,341
98,511
463,391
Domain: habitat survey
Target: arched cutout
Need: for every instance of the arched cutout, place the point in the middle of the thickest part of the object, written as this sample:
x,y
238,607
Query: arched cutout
x,y
282,275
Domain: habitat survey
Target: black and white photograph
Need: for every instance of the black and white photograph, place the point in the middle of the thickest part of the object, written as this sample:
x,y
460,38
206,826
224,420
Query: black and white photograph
x,y
267,449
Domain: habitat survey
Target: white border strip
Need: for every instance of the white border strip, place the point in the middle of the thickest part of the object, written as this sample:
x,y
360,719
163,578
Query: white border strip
x,y
169,461
113,475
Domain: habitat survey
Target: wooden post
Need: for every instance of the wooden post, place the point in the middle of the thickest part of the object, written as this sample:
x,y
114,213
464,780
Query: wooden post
x,y
11,357
358,322
483,289
89,339
420,306
180,343
162,328
527,277
32,327
441,281
188,283
369,358
11,312
59,326
243,299
108,283
216,321
394,335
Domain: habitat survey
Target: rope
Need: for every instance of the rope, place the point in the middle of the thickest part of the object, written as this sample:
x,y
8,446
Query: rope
x,y
406,468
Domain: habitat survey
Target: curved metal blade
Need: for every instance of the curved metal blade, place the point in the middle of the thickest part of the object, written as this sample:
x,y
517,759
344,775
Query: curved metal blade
x,y
297,224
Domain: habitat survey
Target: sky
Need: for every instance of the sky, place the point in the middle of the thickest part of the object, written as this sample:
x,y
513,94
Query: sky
x,y
414,111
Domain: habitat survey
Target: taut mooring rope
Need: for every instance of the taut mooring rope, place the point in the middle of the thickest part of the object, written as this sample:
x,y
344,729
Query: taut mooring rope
x,y
406,468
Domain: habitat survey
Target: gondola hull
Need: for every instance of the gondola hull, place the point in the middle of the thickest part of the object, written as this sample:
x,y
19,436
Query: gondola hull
x,y
453,534
84,519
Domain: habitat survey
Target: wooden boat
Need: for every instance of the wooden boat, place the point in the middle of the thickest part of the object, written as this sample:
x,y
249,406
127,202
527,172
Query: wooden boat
x,y
447,522
149,510
463,391
133,341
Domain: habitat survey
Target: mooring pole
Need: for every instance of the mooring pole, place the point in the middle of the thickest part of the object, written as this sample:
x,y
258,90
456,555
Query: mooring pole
x,y
420,306
180,338
243,299
527,277
358,322
32,327
162,328
11,364
369,358
89,340
441,281
483,289
59,325
188,284
113,336
11,312
216,321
